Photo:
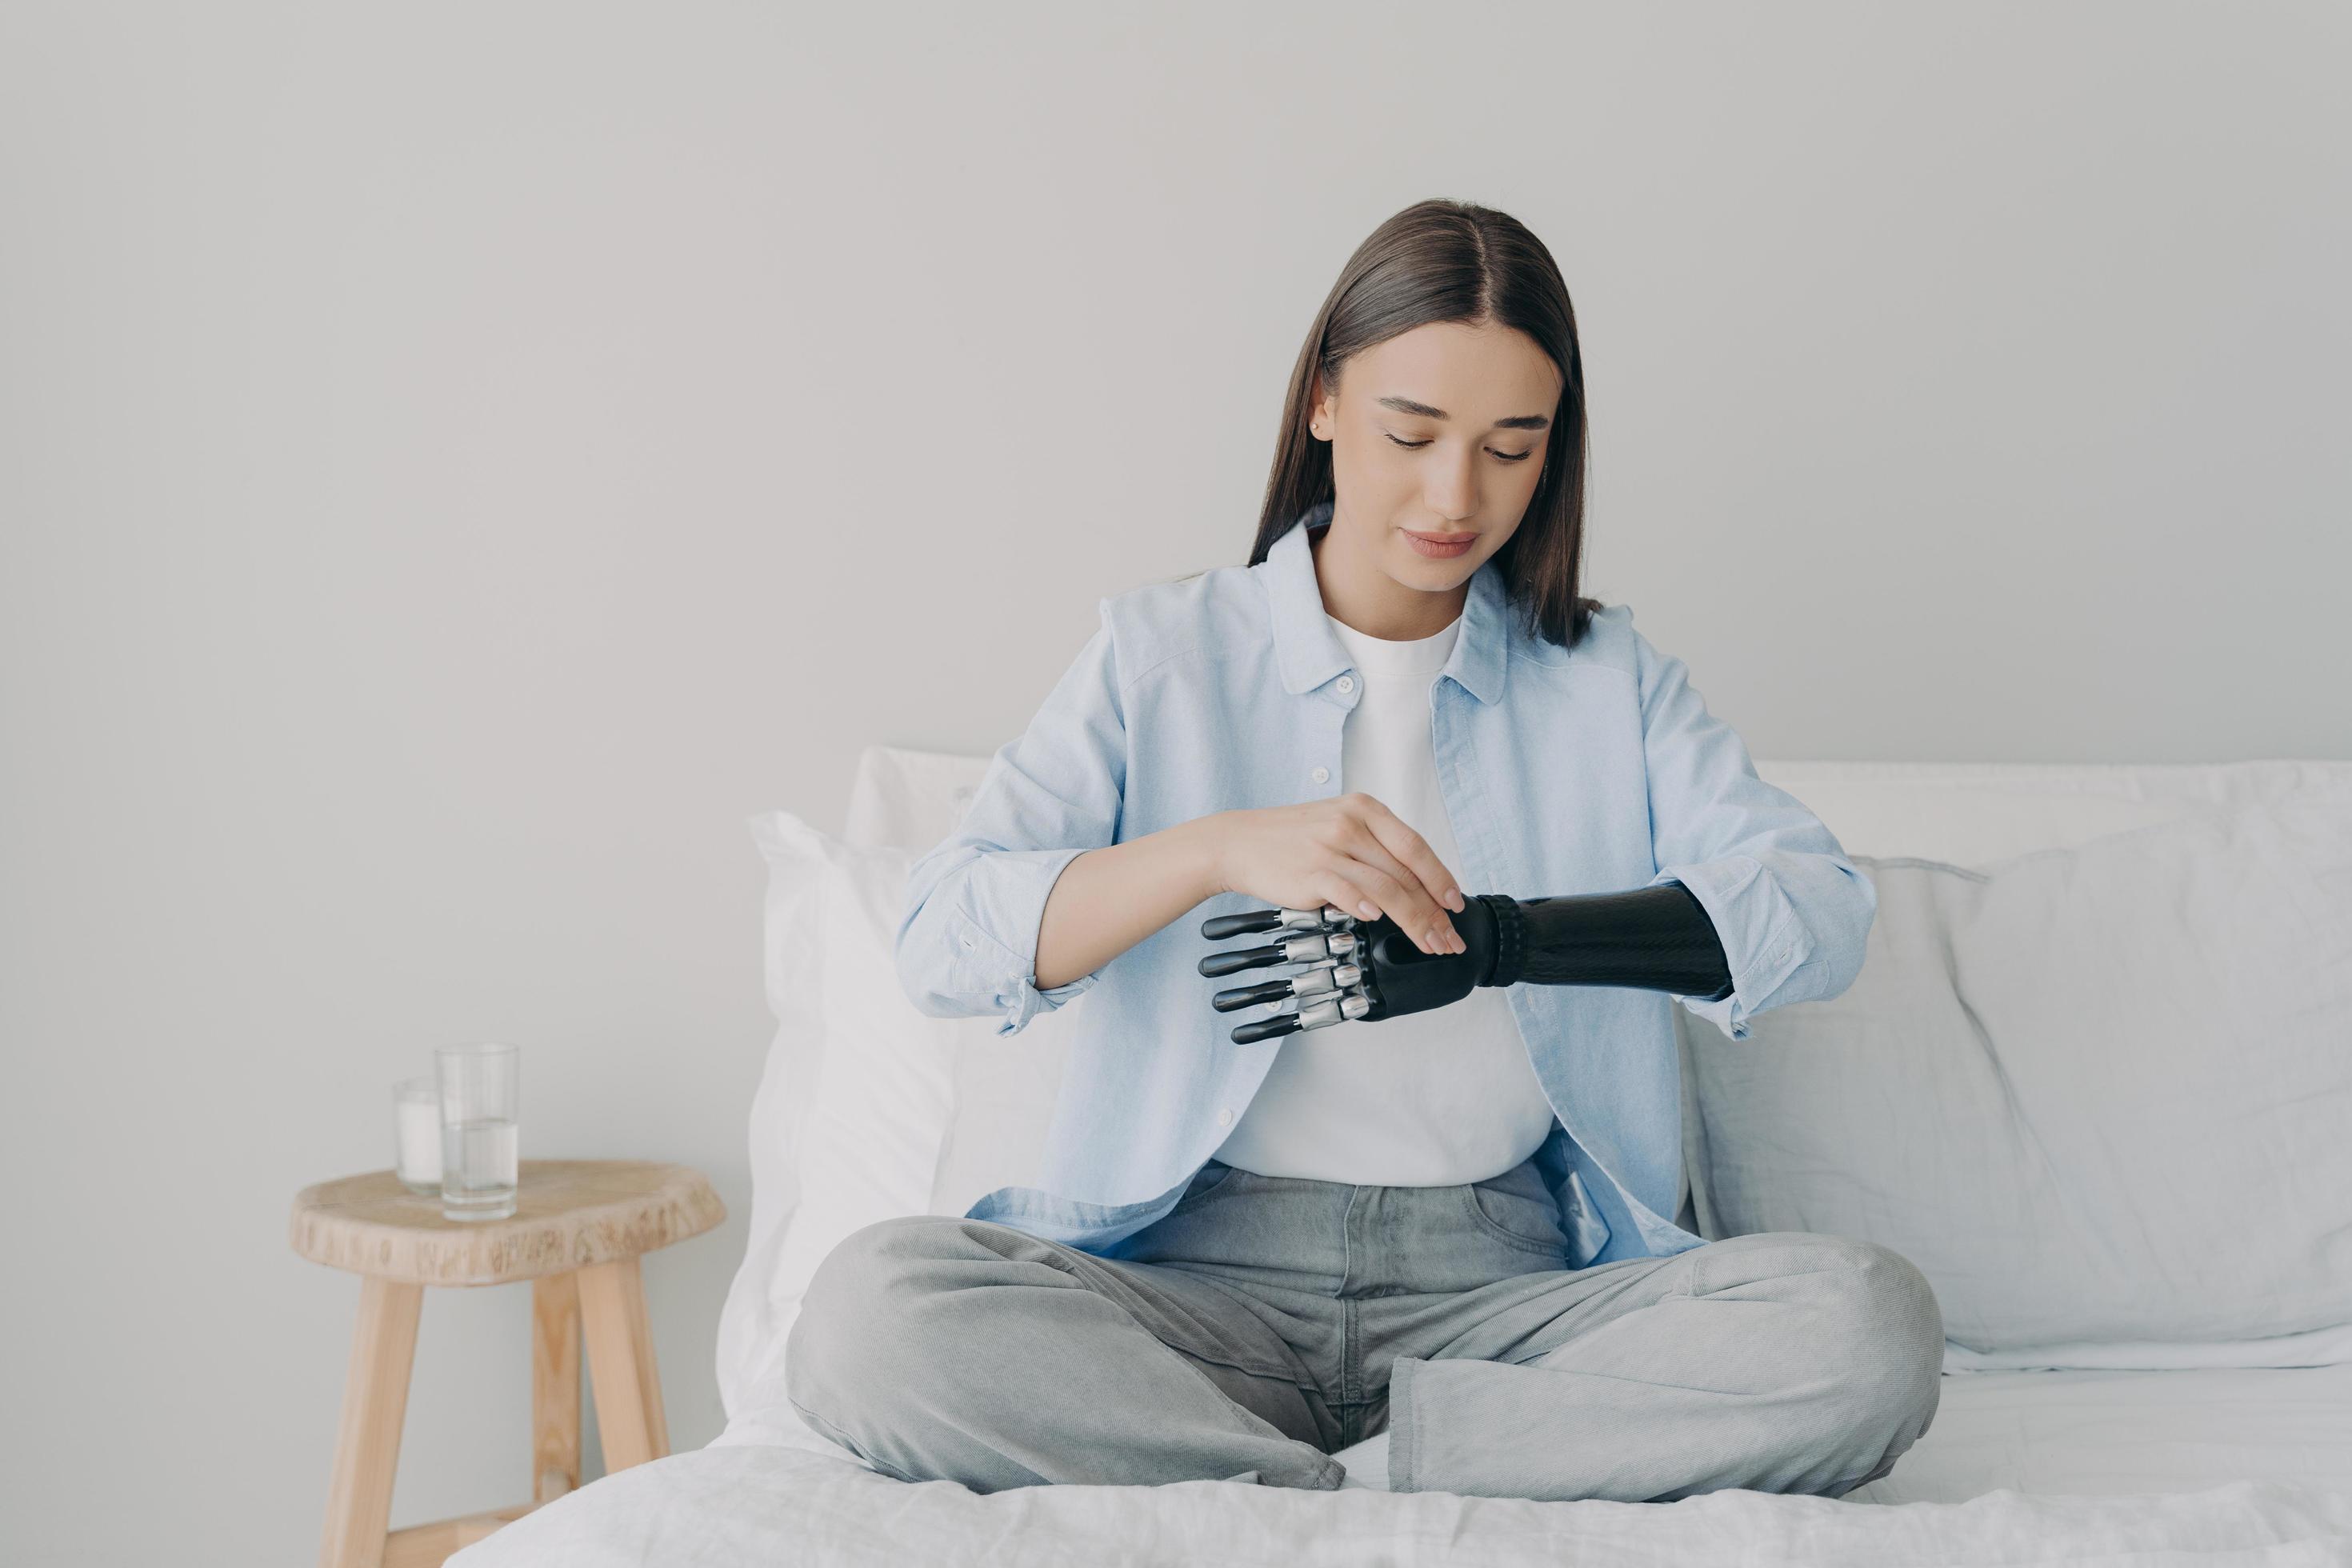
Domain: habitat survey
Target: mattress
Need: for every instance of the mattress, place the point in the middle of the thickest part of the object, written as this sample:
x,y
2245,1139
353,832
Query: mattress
x,y
2137,1468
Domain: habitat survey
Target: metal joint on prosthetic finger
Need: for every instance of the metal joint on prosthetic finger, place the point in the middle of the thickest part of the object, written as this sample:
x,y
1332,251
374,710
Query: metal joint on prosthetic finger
x,y
1331,989
1657,938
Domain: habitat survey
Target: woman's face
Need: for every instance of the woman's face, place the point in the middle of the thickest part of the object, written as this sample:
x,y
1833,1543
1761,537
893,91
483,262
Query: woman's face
x,y
1440,431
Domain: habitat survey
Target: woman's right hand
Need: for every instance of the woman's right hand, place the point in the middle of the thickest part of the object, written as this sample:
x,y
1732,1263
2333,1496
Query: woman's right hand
x,y
1350,852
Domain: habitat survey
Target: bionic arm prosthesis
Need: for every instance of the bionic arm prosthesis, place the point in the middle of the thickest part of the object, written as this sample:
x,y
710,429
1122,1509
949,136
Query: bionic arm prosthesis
x,y
1653,939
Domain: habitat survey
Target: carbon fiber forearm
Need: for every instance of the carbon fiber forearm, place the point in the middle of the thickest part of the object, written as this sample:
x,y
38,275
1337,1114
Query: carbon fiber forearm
x,y
1657,939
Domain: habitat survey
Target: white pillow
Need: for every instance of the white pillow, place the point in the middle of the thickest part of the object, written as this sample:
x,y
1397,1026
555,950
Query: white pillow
x,y
2098,1094
845,1124
851,1119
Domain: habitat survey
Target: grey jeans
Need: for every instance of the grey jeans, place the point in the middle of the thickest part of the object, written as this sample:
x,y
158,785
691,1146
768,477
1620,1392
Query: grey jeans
x,y
1266,1321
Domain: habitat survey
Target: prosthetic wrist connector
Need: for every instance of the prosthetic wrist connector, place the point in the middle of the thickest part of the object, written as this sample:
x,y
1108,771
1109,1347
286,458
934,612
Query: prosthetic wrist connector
x,y
1653,938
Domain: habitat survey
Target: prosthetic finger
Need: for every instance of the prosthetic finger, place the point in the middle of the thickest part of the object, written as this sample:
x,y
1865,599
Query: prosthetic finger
x,y
1338,957
1330,986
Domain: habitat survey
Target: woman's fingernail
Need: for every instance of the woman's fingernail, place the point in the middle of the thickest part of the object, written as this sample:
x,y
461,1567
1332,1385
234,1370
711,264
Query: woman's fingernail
x,y
1454,899
1372,911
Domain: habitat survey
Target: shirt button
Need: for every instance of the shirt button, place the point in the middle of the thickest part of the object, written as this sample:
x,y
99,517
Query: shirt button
x,y
967,942
1320,775
1347,684
1226,1116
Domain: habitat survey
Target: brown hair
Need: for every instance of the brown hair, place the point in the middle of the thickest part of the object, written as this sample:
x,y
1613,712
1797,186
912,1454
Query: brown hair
x,y
1443,260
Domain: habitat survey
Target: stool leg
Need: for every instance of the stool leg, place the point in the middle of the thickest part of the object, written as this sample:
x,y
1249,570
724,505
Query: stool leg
x,y
367,1445
629,1413
554,1386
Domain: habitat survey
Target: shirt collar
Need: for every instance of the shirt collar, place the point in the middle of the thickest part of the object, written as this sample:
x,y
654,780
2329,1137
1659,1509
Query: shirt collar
x,y
1310,654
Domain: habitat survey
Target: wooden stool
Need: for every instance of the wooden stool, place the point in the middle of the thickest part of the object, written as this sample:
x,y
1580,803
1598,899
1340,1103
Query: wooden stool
x,y
578,1229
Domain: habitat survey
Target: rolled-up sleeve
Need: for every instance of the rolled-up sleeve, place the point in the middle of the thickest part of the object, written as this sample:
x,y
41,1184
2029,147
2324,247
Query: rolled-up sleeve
x,y
967,940
1792,913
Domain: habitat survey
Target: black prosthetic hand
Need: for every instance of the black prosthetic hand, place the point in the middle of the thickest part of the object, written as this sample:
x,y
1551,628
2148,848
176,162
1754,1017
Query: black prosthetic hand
x,y
1652,939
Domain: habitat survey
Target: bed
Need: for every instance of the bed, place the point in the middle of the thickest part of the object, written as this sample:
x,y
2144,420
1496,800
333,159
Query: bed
x,y
2164,1374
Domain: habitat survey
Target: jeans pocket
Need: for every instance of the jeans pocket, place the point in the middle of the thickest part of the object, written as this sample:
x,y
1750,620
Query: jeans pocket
x,y
1205,1181
1532,1225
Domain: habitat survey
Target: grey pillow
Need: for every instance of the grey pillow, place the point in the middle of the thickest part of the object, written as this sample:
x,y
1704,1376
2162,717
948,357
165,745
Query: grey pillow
x,y
2094,1093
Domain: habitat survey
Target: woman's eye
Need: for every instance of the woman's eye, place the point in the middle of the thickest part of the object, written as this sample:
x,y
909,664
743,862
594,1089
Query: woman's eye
x,y
1507,456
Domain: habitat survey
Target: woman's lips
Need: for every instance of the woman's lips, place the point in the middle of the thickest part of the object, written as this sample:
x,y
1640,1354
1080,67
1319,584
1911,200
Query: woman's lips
x,y
1441,545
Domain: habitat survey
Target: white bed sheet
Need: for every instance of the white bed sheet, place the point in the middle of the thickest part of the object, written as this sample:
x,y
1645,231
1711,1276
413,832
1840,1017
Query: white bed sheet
x,y
2117,1433
2131,1470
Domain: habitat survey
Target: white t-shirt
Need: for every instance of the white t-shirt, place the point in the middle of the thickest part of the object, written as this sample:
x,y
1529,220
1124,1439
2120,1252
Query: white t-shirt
x,y
1433,1099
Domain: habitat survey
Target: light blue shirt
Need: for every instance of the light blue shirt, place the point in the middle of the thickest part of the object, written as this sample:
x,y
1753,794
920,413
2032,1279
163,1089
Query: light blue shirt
x,y
1585,770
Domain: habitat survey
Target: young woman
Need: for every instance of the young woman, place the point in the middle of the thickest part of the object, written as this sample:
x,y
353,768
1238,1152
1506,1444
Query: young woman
x,y
1430,1252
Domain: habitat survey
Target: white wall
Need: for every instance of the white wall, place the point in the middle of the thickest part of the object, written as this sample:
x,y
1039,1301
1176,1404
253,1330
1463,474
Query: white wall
x,y
459,461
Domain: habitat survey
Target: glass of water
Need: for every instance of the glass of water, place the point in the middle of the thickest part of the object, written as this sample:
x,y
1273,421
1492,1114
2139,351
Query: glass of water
x,y
481,1092
417,1111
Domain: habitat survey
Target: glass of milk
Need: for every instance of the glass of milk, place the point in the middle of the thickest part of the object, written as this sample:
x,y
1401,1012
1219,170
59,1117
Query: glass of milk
x,y
416,1120
481,1092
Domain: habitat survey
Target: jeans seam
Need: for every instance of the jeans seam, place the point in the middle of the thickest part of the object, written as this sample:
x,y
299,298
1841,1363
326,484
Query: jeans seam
x,y
1690,1279
1347,1240
1351,1374
1404,1424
